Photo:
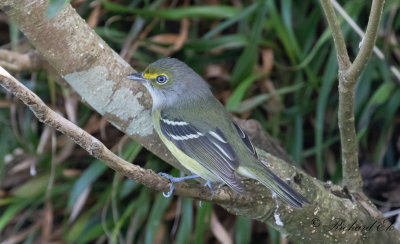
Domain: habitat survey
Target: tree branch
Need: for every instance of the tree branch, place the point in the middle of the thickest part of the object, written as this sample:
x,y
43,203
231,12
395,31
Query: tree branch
x,y
348,75
361,33
334,24
348,137
368,42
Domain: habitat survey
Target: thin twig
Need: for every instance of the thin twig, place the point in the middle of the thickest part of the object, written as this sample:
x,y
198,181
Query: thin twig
x,y
354,25
334,24
368,43
361,33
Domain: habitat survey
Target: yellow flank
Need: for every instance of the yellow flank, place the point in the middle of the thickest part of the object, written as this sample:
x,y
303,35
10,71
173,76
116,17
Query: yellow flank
x,y
150,76
191,164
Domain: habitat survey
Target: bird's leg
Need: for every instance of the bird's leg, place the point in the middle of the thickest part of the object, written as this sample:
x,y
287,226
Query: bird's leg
x,y
175,180
208,183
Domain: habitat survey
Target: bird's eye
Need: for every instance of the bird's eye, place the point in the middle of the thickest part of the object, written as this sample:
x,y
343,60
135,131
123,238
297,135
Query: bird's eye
x,y
161,79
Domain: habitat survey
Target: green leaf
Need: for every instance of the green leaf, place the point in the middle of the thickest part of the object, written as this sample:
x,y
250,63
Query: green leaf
x,y
125,216
91,174
33,187
258,100
238,94
154,221
94,229
243,14
386,116
311,55
243,230
55,6
127,187
328,142
141,213
130,153
380,95
328,79
209,12
223,42
245,64
75,230
12,210
363,89
274,235
186,224
297,139
14,35
284,33
203,218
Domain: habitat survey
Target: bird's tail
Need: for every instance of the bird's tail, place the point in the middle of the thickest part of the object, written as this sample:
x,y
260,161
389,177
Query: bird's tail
x,y
275,184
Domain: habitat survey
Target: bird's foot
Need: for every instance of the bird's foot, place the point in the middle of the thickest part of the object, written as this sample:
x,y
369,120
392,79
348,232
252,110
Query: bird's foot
x,y
175,180
208,183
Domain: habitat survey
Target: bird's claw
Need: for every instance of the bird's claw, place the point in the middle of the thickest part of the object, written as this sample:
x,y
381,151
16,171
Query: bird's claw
x,y
173,181
208,183
171,190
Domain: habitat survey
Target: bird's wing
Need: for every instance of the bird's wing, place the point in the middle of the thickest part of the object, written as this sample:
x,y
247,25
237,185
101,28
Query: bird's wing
x,y
246,140
208,147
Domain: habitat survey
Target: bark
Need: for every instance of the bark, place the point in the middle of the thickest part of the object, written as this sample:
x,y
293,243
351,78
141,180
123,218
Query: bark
x,y
348,76
98,74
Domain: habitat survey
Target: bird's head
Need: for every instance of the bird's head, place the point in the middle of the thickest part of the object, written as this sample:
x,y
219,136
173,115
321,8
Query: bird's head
x,y
169,80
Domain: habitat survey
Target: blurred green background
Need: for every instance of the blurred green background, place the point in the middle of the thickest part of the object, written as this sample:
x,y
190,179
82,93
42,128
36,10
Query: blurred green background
x,y
272,61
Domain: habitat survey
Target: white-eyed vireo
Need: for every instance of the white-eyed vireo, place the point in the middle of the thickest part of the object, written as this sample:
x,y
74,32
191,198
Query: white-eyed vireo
x,y
201,134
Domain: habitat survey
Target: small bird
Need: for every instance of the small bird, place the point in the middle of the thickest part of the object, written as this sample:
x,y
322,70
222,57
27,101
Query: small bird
x,y
201,134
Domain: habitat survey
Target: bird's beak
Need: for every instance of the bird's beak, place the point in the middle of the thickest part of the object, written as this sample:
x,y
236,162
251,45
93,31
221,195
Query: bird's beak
x,y
137,77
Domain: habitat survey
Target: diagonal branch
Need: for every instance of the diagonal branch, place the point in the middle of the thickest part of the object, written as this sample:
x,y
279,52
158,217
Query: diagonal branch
x,y
368,42
334,24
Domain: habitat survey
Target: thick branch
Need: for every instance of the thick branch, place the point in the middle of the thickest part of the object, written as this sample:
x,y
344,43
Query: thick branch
x,y
368,42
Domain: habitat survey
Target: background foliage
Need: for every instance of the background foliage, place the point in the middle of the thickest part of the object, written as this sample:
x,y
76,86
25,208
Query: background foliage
x,y
272,61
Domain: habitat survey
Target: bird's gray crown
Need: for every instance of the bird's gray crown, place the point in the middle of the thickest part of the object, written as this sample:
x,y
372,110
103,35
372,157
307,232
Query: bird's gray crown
x,y
183,84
